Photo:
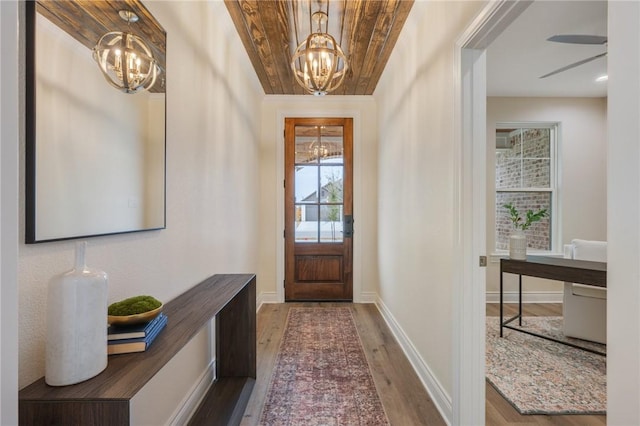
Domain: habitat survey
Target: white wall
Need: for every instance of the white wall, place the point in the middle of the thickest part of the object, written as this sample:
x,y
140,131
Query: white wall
x,y
416,185
9,137
623,222
213,116
274,110
582,177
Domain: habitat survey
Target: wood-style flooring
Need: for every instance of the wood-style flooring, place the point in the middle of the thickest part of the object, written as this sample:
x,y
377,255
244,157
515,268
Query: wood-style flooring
x,y
404,398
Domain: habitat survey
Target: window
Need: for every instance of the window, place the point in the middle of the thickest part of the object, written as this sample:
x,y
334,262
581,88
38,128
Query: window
x,y
526,171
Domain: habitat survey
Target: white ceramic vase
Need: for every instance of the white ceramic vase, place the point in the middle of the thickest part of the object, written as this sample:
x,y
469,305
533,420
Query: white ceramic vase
x,y
518,245
76,324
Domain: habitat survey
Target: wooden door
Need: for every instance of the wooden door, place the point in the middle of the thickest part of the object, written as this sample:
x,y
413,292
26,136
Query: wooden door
x,y
318,209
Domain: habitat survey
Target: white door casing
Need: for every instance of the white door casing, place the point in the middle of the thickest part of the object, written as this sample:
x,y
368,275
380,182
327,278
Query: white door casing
x,y
470,204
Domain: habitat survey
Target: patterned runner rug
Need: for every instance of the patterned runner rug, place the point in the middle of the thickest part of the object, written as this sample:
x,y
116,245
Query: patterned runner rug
x,y
321,375
538,376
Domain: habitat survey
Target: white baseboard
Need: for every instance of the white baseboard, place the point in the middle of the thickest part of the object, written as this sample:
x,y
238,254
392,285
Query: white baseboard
x,y
367,297
438,394
266,297
527,297
189,404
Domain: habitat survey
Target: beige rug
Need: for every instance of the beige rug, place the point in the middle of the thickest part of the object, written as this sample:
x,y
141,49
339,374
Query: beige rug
x,y
321,375
538,376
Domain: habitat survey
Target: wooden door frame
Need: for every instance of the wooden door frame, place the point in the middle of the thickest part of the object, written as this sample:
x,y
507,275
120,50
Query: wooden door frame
x,y
358,295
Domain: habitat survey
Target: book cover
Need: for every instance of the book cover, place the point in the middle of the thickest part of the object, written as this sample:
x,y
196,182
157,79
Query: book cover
x,y
118,332
139,344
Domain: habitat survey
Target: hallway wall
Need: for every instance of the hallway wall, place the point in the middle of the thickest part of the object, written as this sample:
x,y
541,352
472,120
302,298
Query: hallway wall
x,y
9,135
416,185
623,221
213,116
274,109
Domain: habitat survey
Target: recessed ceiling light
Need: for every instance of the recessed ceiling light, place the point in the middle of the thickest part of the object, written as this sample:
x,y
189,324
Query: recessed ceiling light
x,y
602,78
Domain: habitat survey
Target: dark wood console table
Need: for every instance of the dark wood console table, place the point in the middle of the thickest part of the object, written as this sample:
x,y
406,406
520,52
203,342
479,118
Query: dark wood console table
x,y
553,268
105,399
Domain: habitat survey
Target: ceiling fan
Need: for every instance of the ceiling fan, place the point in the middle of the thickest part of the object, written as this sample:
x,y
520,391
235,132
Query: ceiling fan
x,y
577,39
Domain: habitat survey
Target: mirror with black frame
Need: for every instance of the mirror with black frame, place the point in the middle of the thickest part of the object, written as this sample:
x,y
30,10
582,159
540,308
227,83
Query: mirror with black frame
x,y
95,156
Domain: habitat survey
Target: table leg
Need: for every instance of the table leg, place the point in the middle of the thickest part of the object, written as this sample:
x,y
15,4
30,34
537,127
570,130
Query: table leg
x,y
520,299
501,301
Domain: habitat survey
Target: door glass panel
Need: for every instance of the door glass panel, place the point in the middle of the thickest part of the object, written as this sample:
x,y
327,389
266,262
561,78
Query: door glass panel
x,y
331,184
306,184
307,223
331,220
331,144
318,185
306,136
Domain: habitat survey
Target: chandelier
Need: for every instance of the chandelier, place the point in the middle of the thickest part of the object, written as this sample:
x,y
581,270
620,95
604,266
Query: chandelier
x,y
126,61
318,149
319,64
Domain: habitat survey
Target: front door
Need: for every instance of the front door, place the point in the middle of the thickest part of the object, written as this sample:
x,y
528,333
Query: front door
x,y
318,209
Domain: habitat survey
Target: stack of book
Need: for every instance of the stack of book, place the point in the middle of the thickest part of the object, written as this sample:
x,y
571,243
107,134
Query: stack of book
x,y
124,339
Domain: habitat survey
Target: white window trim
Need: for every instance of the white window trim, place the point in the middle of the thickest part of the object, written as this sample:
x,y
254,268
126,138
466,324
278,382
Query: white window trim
x,y
555,187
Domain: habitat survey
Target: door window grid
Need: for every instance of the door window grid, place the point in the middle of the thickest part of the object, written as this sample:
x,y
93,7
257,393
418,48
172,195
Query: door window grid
x,y
318,188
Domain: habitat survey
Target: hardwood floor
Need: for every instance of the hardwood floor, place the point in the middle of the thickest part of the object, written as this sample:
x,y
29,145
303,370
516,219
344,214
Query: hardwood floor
x,y
404,398
500,412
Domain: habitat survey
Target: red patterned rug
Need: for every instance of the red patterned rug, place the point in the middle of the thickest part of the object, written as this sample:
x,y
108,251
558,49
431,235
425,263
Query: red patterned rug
x,y
321,375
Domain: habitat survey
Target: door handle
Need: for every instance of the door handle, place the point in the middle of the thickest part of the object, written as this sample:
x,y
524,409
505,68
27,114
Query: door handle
x,y
348,226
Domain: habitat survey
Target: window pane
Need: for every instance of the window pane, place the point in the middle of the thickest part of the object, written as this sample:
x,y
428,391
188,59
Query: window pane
x,y
508,173
536,173
306,217
331,224
523,158
539,234
537,143
306,184
331,184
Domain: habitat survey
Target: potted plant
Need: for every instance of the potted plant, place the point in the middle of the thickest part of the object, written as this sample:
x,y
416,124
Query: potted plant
x,y
518,239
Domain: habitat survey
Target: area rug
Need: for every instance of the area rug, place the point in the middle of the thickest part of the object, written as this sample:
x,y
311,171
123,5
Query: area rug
x,y
538,376
321,376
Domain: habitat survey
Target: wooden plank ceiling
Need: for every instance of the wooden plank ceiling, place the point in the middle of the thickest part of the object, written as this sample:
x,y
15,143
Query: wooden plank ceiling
x,y
88,20
272,29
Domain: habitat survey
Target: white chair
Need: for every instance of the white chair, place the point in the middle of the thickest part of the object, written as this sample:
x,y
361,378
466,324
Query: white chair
x,y
585,307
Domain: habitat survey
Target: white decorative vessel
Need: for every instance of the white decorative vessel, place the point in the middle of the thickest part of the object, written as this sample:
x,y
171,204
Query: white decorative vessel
x,y
76,324
518,245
